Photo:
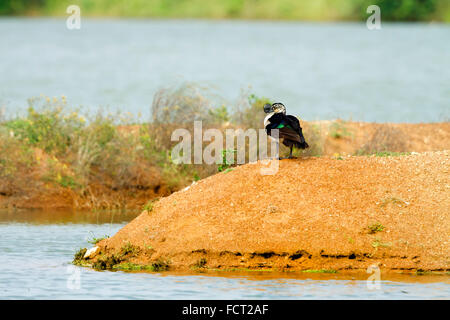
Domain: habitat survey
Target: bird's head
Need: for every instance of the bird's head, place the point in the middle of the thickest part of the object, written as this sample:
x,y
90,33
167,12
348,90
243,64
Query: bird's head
x,y
276,108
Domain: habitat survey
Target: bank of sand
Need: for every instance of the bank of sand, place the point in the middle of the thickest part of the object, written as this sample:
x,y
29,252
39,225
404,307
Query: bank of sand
x,y
313,214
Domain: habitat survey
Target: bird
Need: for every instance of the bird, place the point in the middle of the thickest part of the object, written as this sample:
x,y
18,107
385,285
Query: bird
x,y
288,126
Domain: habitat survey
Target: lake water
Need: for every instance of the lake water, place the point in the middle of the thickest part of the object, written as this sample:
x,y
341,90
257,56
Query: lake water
x,y
37,247
400,73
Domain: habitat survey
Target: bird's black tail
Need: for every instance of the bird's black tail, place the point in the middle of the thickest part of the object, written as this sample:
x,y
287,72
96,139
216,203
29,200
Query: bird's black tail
x,y
297,144
302,145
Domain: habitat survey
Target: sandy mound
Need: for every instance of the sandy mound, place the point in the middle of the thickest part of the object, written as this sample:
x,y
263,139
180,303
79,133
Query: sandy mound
x,y
315,213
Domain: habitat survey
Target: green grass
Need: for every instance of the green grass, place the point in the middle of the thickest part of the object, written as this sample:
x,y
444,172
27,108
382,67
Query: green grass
x,y
128,249
97,240
320,271
375,227
390,154
128,266
149,205
225,165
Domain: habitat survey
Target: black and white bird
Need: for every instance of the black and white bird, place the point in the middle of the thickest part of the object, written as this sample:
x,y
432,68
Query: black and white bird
x,y
288,126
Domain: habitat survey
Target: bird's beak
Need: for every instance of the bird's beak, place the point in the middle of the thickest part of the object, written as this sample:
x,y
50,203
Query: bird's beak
x,y
268,108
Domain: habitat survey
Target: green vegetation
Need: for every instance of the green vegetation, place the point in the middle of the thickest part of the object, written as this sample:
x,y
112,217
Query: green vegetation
x,y
128,266
375,227
382,153
200,264
225,166
107,160
160,265
105,262
390,154
117,261
97,240
149,205
320,271
330,10
128,249
154,267
79,255
54,146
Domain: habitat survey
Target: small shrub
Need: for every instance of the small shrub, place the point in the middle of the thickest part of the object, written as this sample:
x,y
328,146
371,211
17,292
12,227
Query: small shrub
x,y
149,205
200,263
375,227
248,112
160,265
225,165
79,255
338,130
128,249
49,125
314,138
106,262
386,138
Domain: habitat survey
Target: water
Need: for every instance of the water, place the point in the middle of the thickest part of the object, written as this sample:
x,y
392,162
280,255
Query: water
x,y
400,73
36,248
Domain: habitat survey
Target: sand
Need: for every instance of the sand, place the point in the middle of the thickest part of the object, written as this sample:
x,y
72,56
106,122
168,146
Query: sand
x,y
314,214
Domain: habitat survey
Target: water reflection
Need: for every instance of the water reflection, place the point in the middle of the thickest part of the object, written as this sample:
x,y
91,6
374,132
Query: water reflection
x,y
65,216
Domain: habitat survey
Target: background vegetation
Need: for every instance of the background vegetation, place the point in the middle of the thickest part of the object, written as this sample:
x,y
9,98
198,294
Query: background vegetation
x,y
108,160
317,10
112,161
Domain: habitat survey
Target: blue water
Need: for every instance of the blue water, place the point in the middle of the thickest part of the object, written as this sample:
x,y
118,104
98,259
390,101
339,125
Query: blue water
x,y
400,73
36,249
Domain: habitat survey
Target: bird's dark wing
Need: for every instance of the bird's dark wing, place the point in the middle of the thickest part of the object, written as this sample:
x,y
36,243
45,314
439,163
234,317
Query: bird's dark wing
x,y
289,129
293,122
295,125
